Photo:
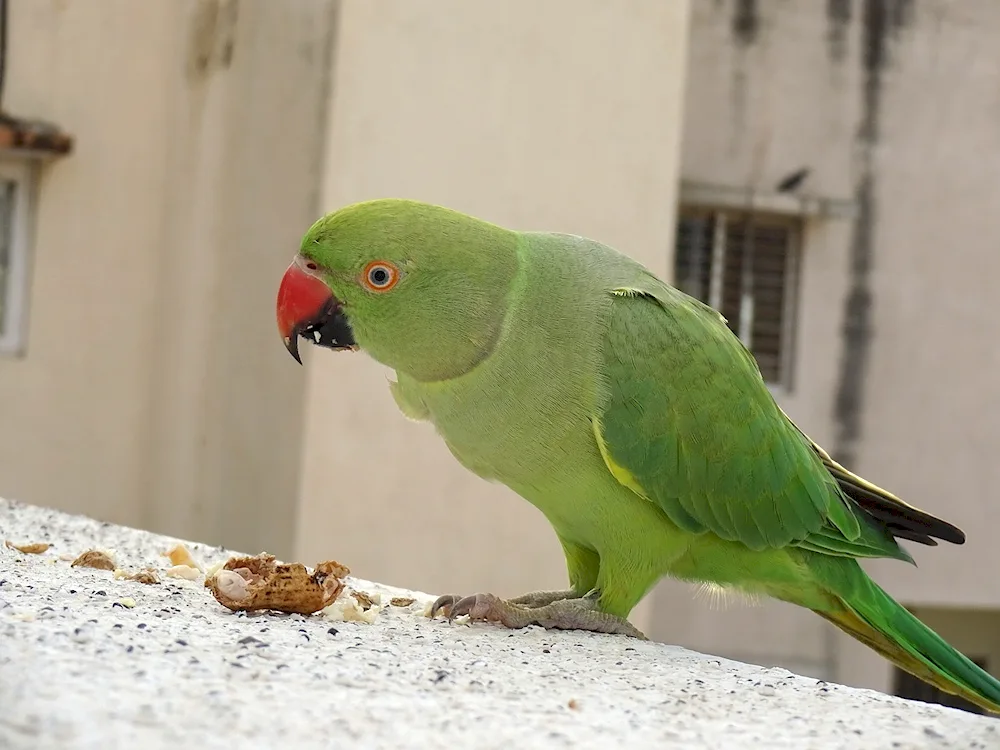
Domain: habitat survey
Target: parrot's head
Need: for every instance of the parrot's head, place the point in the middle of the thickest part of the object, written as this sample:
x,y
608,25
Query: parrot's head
x,y
420,288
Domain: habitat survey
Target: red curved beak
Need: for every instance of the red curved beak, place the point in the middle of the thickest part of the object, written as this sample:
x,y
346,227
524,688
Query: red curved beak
x,y
304,302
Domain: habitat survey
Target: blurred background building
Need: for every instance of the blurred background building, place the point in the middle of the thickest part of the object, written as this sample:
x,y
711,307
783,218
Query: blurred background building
x,y
826,173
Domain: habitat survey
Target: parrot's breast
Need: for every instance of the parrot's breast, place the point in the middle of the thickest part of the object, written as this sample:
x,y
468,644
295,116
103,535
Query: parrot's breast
x,y
524,413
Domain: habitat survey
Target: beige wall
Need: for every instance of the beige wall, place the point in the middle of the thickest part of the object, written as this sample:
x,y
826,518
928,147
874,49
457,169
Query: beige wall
x,y
932,416
932,421
758,109
155,390
73,409
533,115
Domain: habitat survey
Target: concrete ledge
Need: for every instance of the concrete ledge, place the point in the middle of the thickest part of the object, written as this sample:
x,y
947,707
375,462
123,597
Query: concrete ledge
x,y
88,661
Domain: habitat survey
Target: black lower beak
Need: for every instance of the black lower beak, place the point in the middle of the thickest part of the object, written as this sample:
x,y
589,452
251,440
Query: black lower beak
x,y
330,330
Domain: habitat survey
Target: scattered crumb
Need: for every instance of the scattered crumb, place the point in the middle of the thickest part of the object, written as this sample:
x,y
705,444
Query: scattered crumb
x,y
364,599
94,558
187,572
147,576
573,705
179,555
212,570
256,583
401,601
128,602
347,609
33,548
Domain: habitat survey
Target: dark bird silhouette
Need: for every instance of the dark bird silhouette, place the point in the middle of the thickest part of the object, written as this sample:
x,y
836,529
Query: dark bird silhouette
x,y
794,180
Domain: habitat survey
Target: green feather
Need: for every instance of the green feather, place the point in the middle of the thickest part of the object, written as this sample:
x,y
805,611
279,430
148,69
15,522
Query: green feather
x,y
744,471
866,612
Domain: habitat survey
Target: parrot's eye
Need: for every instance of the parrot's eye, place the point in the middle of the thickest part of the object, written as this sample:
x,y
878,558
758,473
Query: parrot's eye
x,y
380,276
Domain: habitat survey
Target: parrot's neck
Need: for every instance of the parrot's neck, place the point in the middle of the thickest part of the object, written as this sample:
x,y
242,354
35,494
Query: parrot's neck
x,y
527,405
460,320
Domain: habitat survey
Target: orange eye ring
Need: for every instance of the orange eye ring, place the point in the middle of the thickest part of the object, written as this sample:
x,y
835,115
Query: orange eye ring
x,y
380,276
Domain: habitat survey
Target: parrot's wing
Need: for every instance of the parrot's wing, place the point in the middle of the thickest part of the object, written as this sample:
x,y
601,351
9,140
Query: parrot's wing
x,y
688,423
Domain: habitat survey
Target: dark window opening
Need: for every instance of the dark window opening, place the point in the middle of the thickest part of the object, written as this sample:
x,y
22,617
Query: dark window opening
x,y
745,266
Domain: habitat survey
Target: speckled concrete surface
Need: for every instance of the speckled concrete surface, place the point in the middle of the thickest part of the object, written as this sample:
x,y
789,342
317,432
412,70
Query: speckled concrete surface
x,y
79,670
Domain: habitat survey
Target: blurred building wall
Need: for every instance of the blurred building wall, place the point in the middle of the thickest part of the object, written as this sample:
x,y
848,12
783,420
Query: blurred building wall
x,y
153,389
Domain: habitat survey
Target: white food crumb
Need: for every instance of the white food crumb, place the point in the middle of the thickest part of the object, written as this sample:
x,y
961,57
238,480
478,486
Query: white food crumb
x,y
214,568
183,571
347,609
180,555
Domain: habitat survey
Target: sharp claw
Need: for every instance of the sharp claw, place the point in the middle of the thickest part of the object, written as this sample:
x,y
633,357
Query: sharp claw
x,y
477,607
444,605
461,607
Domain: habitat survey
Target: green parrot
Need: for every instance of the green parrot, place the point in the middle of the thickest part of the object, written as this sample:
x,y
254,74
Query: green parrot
x,y
624,410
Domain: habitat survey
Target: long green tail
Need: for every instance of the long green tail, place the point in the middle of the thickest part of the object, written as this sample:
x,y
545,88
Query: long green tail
x,y
873,617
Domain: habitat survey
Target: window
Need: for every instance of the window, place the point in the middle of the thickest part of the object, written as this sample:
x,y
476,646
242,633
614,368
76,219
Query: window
x,y
906,685
745,265
15,193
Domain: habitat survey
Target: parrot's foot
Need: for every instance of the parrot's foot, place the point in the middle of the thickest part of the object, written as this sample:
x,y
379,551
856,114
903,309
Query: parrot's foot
x,y
558,612
532,600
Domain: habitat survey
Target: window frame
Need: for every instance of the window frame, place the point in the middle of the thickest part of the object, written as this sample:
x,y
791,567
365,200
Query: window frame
x,y
14,297
722,214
